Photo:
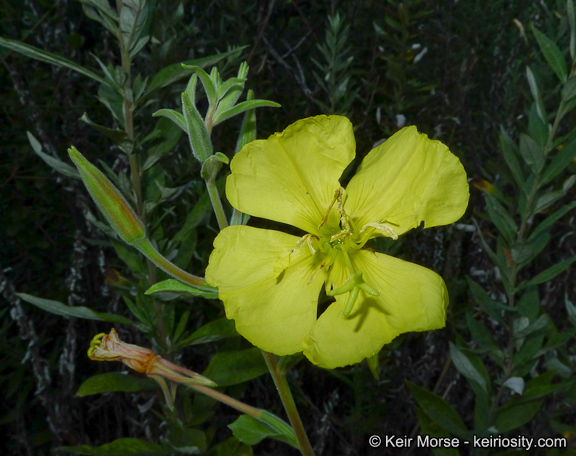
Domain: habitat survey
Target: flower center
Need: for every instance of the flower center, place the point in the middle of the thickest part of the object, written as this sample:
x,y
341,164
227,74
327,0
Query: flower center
x,y
338,242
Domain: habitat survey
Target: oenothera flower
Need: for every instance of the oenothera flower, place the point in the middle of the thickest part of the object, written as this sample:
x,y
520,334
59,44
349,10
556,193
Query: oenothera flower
x,y
270,282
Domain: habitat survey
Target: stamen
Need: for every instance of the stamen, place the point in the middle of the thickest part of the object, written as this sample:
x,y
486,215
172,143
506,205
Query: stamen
x,y
384,227
317,272
307,238
337,197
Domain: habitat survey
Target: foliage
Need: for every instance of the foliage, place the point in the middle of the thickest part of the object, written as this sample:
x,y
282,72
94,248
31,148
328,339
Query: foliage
x,y
494,80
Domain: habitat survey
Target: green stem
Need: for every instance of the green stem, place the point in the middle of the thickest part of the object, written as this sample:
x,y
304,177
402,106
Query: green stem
x,y
221,397
289,404
145,246
135,173
520,239
216,204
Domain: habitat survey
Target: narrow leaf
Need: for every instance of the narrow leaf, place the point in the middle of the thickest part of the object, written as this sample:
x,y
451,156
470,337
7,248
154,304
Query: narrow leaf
x,y
549,221
552,272
560,162
442,413
466,368
241,107
536,94
58,308
532,154
56,164
552,54
572,24
175,72
197,133
114,382
237,366
48,57
118,137
509,150
174,116
251,431
209,87
174,286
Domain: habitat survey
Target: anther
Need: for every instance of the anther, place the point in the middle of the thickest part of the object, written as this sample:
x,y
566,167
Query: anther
x,y
384,227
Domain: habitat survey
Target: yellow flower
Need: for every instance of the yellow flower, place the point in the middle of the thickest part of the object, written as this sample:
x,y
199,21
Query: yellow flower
x,y
270,281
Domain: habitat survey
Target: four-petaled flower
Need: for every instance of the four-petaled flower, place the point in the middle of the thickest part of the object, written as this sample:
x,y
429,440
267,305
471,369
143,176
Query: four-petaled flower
x,y
270,282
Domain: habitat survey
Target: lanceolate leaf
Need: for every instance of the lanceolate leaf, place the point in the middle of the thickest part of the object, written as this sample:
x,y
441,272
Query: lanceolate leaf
x,y
560,162
175,72
63,168
241,107
552,272
58,308
509,150
48,57
439,411
532,154
552,54
114,382
174,286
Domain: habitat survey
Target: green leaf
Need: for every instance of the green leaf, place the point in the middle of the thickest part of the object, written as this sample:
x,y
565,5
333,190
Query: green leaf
x,y
431,429
53,59
118,137
552,272
251,431
515,414
548,199
464,365
122,447
572,24
534,329
197,133
54,163
549,221
175,286
238,366
552,54
114,382
532,154
57,308
218,329
536,94
175,72
510,153
560,162
221,116
569,89
484,300
482,336
439,411
186,440
570,310
174,116
207,83
502,219
231,447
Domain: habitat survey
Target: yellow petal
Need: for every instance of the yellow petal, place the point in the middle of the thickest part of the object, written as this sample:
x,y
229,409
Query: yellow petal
x,y
412,298
291,177
406,180
263,280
